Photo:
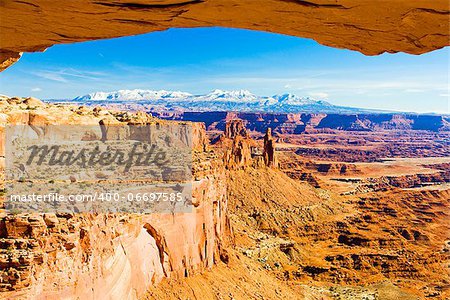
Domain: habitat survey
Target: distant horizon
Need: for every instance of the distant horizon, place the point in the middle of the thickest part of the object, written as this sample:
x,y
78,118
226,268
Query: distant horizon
x,y
193,93
363,109
201,59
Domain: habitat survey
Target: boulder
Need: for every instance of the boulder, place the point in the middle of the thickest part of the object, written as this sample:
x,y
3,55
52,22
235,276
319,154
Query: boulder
x,y
32,102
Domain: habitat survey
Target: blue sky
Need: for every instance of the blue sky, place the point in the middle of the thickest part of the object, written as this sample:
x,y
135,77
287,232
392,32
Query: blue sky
x,y
202,59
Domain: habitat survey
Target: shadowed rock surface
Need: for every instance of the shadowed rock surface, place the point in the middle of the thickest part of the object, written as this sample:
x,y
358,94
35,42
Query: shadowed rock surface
x,y
235,128
295,123
370,27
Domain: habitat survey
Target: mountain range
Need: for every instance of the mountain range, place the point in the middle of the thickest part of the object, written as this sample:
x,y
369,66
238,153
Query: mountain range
x,y
216,100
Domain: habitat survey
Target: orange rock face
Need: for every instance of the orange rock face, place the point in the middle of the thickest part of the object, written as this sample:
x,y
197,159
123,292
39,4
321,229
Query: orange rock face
x,y
371,27
199,139
239,155
234,128
115,256
269,150
373,230
119,255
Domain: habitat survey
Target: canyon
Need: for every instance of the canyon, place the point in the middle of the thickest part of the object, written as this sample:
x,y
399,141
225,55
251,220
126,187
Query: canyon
x,y
311,227
296,123
286,206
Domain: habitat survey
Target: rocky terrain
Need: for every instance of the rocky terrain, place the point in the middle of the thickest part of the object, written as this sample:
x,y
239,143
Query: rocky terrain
x,y
278,215
369,146
350,230
296,123
265,215
329,230
109,255
35,25
338,137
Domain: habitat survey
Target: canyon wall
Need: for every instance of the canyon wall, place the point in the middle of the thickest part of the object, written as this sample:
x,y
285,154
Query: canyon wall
x,y
117,256
295,123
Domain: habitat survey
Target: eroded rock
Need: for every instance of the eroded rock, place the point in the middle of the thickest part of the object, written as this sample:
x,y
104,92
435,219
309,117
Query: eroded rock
x,y
234,128
90,256
269,154
370,27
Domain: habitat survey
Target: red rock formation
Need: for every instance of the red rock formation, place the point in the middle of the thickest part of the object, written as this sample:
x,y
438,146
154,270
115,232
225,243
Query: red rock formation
x,y
91,256
33,102
394,236
367,122
384,183
390,243
269,154
234,128
102,254
113,129
290,123
414,27
200,140
8,58
239,155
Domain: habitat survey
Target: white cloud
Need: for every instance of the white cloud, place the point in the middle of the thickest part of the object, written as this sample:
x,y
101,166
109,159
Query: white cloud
x,y
36,89
50,76
320,95
62,75
338,83
414,90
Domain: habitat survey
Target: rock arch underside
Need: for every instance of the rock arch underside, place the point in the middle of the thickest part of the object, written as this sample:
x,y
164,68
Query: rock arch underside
x,y
370,27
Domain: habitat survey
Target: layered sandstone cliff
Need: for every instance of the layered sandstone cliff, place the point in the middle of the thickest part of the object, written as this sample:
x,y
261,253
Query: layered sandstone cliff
x,y
296,123
234,128
115,256
241,151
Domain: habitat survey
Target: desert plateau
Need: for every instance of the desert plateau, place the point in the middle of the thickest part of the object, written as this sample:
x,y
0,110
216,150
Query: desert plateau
x,y
224,150
352,226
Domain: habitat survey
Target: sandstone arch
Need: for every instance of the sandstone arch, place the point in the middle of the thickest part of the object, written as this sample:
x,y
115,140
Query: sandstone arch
x,y
368,26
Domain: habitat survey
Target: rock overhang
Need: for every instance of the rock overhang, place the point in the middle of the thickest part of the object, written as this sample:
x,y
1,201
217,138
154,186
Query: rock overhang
x,y
370,27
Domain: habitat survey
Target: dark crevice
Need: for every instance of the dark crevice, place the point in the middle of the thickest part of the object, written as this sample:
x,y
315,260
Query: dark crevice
x,y
197,20
434,11
137,6
414,41
64,36
315,5
71,38
160,244
355,27
177,14
135,22
27,3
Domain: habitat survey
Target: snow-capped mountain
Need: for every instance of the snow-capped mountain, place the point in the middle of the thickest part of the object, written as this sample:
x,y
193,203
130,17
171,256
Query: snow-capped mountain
x,y
235,96
216,100
292,99
133,95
